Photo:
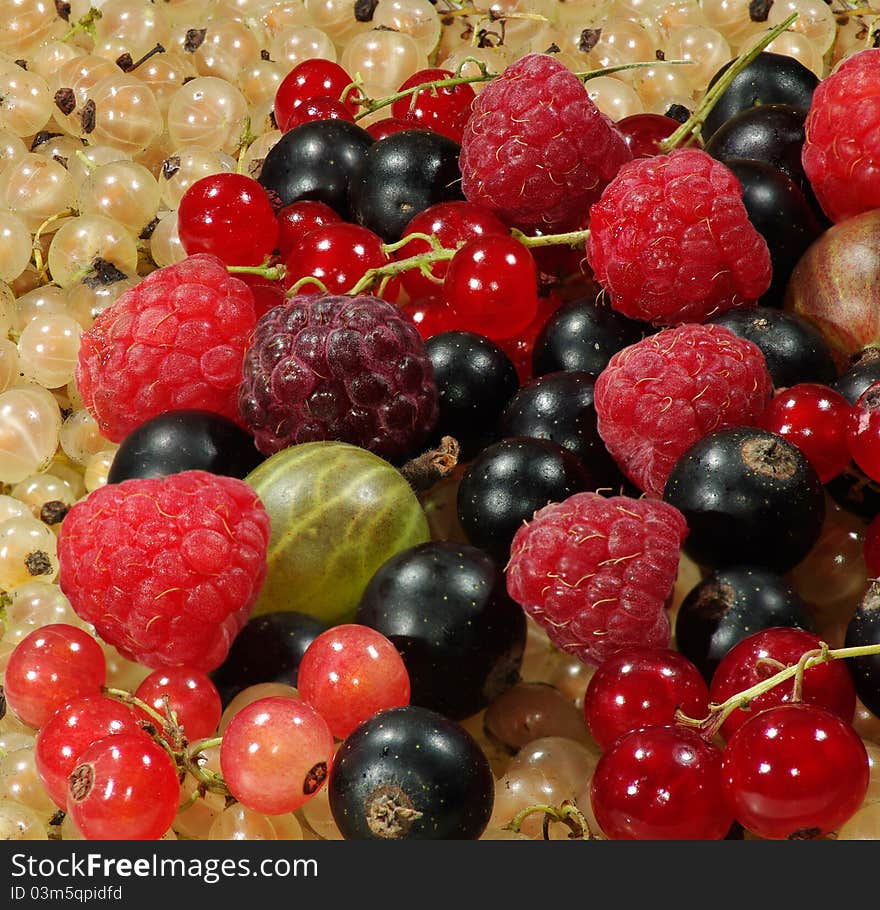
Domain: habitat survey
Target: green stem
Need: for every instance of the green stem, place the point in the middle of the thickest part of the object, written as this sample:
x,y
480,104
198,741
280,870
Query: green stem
x,y
374,104
567,813
711,724
84,24
272,272
691,128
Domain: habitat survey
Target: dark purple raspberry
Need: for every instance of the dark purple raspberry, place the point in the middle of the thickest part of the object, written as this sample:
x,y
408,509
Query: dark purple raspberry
x,y
352,369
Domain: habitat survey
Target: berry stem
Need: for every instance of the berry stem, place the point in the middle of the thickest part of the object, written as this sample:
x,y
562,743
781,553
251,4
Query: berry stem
x,y
370,105
710,725
272,272
85,24
39,264
692,127
567,813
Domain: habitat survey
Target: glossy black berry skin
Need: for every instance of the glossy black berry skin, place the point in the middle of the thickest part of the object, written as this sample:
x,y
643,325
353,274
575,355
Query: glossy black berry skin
x,y
268,649
794,350
411,774
780,212
748,497
475,380
864,630
769,79
855,381
402,175
559,407
508,482
183,441
583,336
446,609
730,604
316,160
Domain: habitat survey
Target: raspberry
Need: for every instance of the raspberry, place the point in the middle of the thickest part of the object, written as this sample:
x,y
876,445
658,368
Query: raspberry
x,y
840,155
671,241
536,149
660,395
596,572
175,341
350,369
166,569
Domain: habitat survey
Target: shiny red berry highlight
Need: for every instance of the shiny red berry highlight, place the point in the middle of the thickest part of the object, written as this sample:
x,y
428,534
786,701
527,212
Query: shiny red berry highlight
x,y
351,672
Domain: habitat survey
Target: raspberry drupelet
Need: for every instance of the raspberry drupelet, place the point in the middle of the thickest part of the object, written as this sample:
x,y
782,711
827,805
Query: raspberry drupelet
x,y
175,341
351,369
536,149
166,569
660,395
596,572
840,154
671,241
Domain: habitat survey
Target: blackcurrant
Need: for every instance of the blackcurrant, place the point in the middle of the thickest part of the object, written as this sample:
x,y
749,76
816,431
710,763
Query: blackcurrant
x,y
445,607
748,497
730,604
316,160
794,350
559,407
182,441
864,629
864,372
769,79
402,175
268,649
780,212
508,482
411,774
475,380
581,335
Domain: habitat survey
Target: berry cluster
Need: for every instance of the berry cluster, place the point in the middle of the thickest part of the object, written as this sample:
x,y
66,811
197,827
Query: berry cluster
x,y
434,443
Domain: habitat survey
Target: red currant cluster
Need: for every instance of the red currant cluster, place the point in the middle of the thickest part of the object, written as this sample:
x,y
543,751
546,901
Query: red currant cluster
x,y
115,761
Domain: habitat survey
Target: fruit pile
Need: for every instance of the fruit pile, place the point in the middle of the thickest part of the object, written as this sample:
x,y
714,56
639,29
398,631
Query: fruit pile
x,y
436,420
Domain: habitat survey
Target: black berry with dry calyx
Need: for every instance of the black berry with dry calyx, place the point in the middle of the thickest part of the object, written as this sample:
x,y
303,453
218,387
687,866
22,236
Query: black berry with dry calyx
x,y
411,774
748,496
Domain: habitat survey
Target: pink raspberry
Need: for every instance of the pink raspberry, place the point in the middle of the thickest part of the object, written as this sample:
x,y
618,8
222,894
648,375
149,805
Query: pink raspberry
x,y
352,369
597,572
671,241
174,341
660,395
166,569
536,149
841,154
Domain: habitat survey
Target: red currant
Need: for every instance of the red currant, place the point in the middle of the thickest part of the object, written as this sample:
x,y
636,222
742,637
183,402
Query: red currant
x,y
52,665
492,287
453,224
298,218
387,126
795,771
660,783
338,255
441,110
430,315
863,434
70,731
124,787
191,695
313,78
267,294
230,216
763,654
320,108
349,673
275,754
644,133
638,687
814,418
